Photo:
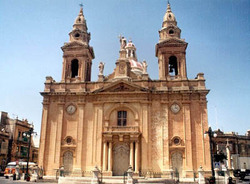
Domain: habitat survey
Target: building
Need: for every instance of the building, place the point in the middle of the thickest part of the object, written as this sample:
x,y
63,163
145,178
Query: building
x,y
4,141
125,118
14,143
236,147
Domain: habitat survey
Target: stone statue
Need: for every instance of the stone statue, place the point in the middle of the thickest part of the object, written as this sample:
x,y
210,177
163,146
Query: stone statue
x,y
101,68
144,67
123,42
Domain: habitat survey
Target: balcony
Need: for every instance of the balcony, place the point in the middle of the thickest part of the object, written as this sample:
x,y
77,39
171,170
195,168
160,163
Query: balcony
x,y
121,129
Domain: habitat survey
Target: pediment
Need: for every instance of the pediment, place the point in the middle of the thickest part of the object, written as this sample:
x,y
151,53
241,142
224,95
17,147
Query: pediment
x,y
74,44
172,41
121,86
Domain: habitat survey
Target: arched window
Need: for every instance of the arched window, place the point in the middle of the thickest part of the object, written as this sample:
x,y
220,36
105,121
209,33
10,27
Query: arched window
x,y
74,68
122,118
173,68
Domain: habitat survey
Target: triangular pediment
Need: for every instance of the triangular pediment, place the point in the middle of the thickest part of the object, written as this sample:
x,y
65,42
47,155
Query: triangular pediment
x,y
121,86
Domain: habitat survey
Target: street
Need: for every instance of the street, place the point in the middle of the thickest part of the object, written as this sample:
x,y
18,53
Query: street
x,y
3,180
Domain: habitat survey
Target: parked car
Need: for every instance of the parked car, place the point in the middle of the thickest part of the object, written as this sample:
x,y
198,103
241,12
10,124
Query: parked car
x,y
11,168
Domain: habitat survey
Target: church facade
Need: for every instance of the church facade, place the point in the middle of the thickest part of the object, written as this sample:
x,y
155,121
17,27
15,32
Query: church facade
x,y
125,118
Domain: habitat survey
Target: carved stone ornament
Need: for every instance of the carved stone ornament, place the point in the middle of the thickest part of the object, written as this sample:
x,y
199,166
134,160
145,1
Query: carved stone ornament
x,y
122,68
68,141
175,108
71,109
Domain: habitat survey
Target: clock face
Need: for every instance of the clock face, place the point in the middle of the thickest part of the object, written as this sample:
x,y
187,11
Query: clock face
x,y
71,109
175,108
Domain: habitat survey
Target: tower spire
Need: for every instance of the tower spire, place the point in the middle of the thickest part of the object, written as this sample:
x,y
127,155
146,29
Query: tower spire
x,y
78,54
169,25
81,8
80,29
168,7
173,66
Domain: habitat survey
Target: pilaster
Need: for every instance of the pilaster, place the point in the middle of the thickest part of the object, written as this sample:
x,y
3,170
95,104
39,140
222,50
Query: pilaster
x,y
59,135
131,156
188,140
78,164
165,137
145,140
43,135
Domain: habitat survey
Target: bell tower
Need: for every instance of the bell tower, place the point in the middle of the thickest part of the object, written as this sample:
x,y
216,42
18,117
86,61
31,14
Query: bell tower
x,y
171,49
77,53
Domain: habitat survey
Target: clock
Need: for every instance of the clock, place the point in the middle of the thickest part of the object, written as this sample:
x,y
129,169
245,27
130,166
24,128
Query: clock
x,y
175,108
71,109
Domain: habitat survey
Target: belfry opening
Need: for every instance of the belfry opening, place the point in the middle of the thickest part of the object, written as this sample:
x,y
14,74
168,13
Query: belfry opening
x,y
173,68
74,68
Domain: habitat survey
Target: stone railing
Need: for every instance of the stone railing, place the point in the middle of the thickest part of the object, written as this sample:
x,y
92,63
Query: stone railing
x,y
121,129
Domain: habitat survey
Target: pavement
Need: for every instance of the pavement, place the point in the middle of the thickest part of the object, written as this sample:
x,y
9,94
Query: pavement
x,y
10,180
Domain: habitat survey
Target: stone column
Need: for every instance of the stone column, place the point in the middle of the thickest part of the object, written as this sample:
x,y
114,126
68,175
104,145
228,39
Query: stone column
x,y
110,159
104,160
229,164
131,162
136,156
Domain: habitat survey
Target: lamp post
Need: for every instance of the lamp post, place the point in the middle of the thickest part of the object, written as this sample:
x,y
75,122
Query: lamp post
x,y
210,135
29,134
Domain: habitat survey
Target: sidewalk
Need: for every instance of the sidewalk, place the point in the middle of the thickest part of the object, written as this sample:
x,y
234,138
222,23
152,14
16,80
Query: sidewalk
x,y
3,180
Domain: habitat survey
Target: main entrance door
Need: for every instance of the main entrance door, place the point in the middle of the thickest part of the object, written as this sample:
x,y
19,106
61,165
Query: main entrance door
x,y
120,159
68,162
177,162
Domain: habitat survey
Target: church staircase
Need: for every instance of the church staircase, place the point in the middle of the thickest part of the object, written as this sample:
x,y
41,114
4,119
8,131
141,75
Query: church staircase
x,y
115,180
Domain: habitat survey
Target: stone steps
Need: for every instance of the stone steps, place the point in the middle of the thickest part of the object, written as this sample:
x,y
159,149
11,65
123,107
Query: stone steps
x,y
115,180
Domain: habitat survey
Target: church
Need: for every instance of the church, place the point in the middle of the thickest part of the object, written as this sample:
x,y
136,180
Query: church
x,y
125,118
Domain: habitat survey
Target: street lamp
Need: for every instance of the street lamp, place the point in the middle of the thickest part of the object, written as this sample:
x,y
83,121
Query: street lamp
x,y
210,135
29,134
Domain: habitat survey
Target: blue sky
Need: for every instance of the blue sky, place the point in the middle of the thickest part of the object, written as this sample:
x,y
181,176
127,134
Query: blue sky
x,y
217,32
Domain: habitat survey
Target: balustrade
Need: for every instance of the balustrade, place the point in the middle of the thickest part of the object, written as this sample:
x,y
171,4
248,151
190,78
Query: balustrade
x,y
121,129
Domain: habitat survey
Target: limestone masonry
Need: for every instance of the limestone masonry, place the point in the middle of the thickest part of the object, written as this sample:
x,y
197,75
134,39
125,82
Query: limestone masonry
x,y
125,118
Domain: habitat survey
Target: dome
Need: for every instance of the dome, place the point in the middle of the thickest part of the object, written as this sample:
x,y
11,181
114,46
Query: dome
x,y
136,66
130,44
